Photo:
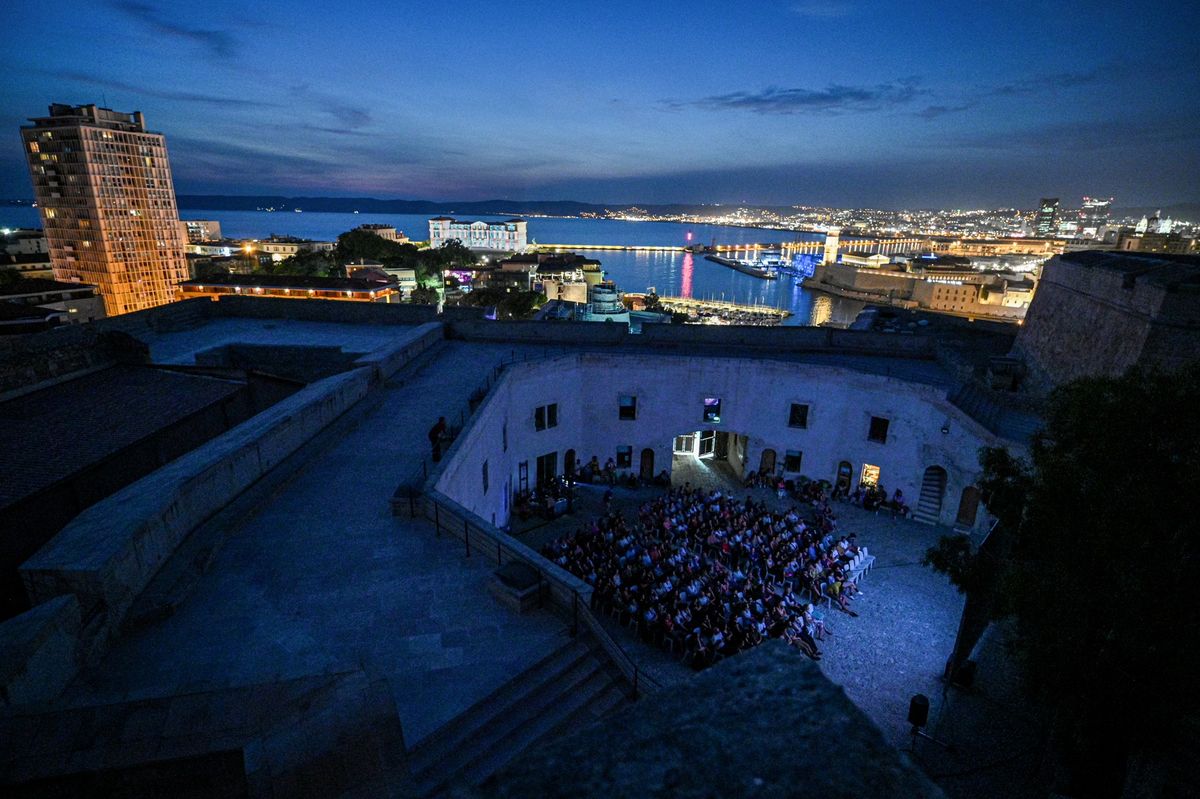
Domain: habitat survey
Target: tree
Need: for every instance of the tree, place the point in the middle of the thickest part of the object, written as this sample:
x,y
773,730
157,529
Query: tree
x,y
10,278
1103,561
306,263
355,244
423,295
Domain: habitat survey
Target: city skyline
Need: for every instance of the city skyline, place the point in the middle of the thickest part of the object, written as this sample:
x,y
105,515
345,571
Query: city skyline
x,y
820,103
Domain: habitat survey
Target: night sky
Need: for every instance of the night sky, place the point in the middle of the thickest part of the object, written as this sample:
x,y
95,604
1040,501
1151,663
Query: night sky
x,y
882,104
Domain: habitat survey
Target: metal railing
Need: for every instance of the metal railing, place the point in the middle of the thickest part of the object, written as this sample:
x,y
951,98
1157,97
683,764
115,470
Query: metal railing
x,y
628,667
484,543
480,542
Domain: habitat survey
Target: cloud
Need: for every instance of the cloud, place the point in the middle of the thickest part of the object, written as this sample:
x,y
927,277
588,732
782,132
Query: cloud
x,y
821,9
162,94
830,100
349,115
1084,135
1101,74
935,111
218,43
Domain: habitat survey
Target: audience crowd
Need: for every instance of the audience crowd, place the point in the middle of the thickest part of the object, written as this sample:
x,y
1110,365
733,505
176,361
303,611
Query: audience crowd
x,y
704,575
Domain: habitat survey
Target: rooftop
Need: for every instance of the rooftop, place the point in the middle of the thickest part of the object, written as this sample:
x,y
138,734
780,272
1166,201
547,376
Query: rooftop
x,y
42,285
65,428
286,282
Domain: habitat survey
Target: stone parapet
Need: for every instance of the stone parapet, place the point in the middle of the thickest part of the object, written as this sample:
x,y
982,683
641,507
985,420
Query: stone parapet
x,y
38,652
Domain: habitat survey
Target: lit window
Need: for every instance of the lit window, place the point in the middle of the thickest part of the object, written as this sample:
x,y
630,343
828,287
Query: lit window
x,y
712,410
34,148
628,407
624,457
870,475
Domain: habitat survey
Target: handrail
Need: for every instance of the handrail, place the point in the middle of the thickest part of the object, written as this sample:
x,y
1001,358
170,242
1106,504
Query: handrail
x,y
627,666
413,488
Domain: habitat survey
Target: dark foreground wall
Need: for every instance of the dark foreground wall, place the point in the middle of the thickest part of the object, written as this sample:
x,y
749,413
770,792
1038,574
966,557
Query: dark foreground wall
x,y
765,723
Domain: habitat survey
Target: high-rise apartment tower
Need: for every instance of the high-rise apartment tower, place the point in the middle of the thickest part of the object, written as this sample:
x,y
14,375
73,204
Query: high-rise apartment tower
x,y
103,187
1045,224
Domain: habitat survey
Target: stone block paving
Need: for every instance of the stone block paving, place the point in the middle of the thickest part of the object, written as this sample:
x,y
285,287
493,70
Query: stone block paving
x,y
322,578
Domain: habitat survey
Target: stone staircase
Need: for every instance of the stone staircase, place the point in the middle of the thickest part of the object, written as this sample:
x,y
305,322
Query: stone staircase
x,y
566,690
929,504
1010,422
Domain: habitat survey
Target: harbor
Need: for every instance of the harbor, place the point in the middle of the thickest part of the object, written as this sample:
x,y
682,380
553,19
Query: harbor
x,y
709,311
743,267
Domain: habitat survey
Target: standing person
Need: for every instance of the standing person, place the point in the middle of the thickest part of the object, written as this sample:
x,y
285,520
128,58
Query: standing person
x,y
435,437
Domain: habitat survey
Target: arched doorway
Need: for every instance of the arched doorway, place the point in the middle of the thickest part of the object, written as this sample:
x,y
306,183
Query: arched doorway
x,y
569,463
845,474
933,489
646,472
968,507
766,464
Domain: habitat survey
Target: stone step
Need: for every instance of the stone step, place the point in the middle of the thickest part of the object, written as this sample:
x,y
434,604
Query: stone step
x,y
494,733
514,731
577,709
443,742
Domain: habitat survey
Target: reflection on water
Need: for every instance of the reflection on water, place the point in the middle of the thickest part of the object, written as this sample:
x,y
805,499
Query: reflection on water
x,y
685,289
822,310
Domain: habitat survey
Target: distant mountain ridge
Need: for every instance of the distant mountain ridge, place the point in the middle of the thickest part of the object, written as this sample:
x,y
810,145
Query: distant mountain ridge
x,y
218,202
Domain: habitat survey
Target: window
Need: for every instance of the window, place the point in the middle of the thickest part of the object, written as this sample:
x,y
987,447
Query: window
x,y
712,410
798,415
504,436
547,467
545,416
624,457
485,477
523,476
791,461
628,407
878,430
870,475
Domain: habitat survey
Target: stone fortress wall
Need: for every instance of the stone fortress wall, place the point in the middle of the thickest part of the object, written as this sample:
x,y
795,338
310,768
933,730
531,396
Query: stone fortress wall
x,y
755,401
1098,313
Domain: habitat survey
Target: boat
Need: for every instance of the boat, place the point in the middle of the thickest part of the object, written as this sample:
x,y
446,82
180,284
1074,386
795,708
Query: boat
x,y
745,269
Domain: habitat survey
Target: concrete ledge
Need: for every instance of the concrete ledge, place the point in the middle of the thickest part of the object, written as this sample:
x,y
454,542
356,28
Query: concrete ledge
x,y
774,339
38,652
319,735
387,360
108,554
367,313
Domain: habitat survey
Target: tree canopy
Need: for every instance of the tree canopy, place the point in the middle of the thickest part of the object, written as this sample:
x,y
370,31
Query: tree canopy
x,y
1103,561
307,263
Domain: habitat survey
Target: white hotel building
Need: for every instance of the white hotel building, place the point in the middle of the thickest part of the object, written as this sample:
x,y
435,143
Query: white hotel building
x,y
507,236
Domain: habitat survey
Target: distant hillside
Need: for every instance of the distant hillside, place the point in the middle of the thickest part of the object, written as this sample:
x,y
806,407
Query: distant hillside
x,y
218,202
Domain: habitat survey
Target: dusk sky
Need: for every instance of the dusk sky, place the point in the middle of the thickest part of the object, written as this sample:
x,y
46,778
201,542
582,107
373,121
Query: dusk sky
x,y
850,103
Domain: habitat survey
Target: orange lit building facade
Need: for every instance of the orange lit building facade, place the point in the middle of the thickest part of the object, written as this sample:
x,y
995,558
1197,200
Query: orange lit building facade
x,y
104,191
292,287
